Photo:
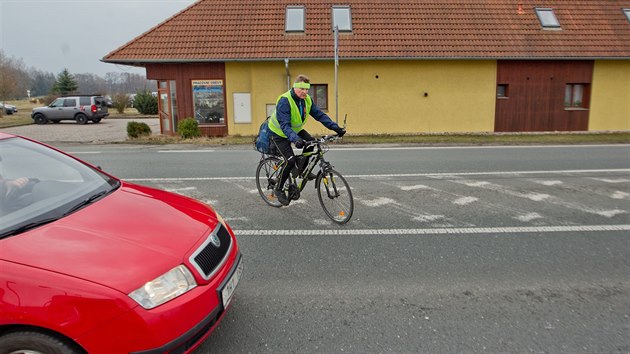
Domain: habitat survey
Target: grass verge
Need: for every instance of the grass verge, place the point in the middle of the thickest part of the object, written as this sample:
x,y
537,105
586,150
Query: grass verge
x,y
422,139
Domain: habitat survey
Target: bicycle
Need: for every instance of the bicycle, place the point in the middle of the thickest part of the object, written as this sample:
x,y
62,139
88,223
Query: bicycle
x,y
335,195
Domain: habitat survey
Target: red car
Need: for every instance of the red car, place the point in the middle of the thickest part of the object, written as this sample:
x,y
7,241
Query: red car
x,y
93,264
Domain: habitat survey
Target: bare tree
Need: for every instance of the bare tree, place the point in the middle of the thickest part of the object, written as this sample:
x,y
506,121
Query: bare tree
x,y
14,80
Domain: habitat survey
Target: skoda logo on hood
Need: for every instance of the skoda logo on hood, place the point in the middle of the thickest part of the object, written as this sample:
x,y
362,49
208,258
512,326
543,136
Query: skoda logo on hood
x,y
214,240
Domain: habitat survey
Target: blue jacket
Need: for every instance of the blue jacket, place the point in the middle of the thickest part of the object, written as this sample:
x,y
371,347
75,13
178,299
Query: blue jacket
x,y
283,113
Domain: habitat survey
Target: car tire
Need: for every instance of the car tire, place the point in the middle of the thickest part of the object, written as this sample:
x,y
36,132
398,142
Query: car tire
x,y
35,342
81,118
96,120
39,119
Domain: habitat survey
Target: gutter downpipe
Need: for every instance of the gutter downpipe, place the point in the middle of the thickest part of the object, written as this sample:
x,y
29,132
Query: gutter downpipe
x,y
286,68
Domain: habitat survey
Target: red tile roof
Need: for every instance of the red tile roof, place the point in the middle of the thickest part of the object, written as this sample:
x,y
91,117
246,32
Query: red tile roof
x,y
230,30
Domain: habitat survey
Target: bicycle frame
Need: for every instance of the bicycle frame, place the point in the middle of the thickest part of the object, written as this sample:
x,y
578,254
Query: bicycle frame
x,y
318,158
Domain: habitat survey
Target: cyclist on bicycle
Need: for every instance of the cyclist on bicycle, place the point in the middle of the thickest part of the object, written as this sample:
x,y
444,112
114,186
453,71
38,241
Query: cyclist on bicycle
x,y
286,125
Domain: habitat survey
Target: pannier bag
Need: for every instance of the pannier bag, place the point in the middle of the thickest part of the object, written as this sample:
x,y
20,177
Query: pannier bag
x,y
262,139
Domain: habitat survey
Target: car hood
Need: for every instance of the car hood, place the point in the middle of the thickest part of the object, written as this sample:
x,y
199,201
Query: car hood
x,y
129,237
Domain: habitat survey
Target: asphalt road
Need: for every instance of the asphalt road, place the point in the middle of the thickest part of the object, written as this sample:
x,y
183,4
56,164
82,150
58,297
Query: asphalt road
x,y
485,249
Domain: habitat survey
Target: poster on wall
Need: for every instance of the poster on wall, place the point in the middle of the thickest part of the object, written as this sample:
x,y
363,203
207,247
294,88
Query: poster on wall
x,y
208,101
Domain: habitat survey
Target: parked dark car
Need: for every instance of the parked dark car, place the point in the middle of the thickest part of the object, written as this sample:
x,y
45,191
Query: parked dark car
x,y
8,108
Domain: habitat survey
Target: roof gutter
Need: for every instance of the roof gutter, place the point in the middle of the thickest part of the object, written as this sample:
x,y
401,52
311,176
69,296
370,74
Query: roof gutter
x,y
136,62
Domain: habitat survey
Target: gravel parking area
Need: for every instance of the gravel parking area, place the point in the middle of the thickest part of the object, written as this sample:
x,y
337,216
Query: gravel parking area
x,y
107,131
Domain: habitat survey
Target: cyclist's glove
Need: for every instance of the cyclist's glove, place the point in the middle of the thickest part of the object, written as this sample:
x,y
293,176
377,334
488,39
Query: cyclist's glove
x,y
299,143
340,131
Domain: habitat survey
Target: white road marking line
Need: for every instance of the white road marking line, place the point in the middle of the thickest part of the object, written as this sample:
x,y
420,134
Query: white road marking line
x,y
240,218
476,183
539,197
428,218
417,186
182,151
502,147
612,180
499,173
465,200
611,213
548,183
171,179
528,217
620,195
378,202
180,189
437,231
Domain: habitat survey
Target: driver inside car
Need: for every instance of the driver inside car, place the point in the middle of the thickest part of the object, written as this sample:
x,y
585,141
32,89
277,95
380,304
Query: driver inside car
x,y
11,187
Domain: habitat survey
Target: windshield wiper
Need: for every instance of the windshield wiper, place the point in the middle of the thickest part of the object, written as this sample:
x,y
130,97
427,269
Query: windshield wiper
x,y
85,202
28,226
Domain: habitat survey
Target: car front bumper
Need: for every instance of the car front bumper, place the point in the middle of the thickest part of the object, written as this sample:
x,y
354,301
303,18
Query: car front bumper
x,y
178,326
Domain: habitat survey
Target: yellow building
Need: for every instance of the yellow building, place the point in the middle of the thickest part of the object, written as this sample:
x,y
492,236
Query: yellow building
x,y
402,67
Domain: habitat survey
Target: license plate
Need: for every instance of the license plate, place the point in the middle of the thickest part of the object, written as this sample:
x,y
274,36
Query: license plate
x,y
230,285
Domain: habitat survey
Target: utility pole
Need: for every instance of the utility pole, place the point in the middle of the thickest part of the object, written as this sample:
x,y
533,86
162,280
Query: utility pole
x,y
336,35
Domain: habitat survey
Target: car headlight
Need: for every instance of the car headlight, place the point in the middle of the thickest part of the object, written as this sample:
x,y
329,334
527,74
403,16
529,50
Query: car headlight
x,y
167,286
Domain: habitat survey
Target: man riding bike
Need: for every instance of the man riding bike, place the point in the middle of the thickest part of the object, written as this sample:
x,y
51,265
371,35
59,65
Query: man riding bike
x,y
286,126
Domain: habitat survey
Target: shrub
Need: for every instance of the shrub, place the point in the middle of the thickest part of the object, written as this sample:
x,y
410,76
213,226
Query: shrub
x,y
48,99
137,129
146,103
188,128
120,101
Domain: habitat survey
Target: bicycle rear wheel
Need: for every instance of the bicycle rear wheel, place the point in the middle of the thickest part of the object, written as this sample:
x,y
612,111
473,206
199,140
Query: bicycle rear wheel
x,y
267,175
335,196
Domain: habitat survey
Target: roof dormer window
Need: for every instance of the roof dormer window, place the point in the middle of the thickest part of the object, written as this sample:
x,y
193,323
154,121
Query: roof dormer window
x,y
547,18
295,19
341,18
627,12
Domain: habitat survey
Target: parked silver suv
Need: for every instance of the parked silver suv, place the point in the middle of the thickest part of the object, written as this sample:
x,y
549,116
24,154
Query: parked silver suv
x,y
80,108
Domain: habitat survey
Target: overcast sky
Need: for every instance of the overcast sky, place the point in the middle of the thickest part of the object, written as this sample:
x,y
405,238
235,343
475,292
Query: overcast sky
x,y
51,35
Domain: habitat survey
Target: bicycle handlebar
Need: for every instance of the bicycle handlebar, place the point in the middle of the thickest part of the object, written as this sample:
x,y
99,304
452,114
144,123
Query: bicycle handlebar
x,y
323,139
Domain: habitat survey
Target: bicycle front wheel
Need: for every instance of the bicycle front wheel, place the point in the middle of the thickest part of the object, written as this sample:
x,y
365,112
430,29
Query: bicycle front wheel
x,y
335,196
267,175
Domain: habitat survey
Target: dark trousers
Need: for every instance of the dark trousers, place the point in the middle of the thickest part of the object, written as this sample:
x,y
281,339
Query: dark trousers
x,y
283,147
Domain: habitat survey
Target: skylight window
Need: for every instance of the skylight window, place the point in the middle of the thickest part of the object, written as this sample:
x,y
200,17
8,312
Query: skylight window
x,y
342,18
295,19
547,18
627,12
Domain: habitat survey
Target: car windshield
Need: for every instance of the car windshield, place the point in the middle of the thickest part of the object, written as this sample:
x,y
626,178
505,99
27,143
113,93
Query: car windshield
x,y
39,185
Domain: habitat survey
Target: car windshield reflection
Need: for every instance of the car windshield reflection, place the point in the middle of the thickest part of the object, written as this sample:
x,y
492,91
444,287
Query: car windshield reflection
x,y
39,185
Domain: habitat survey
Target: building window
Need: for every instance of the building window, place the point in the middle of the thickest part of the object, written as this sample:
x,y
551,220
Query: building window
x,y
627,12
208,101
342,18
319,94
295,19
575,96
547,18
502,91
